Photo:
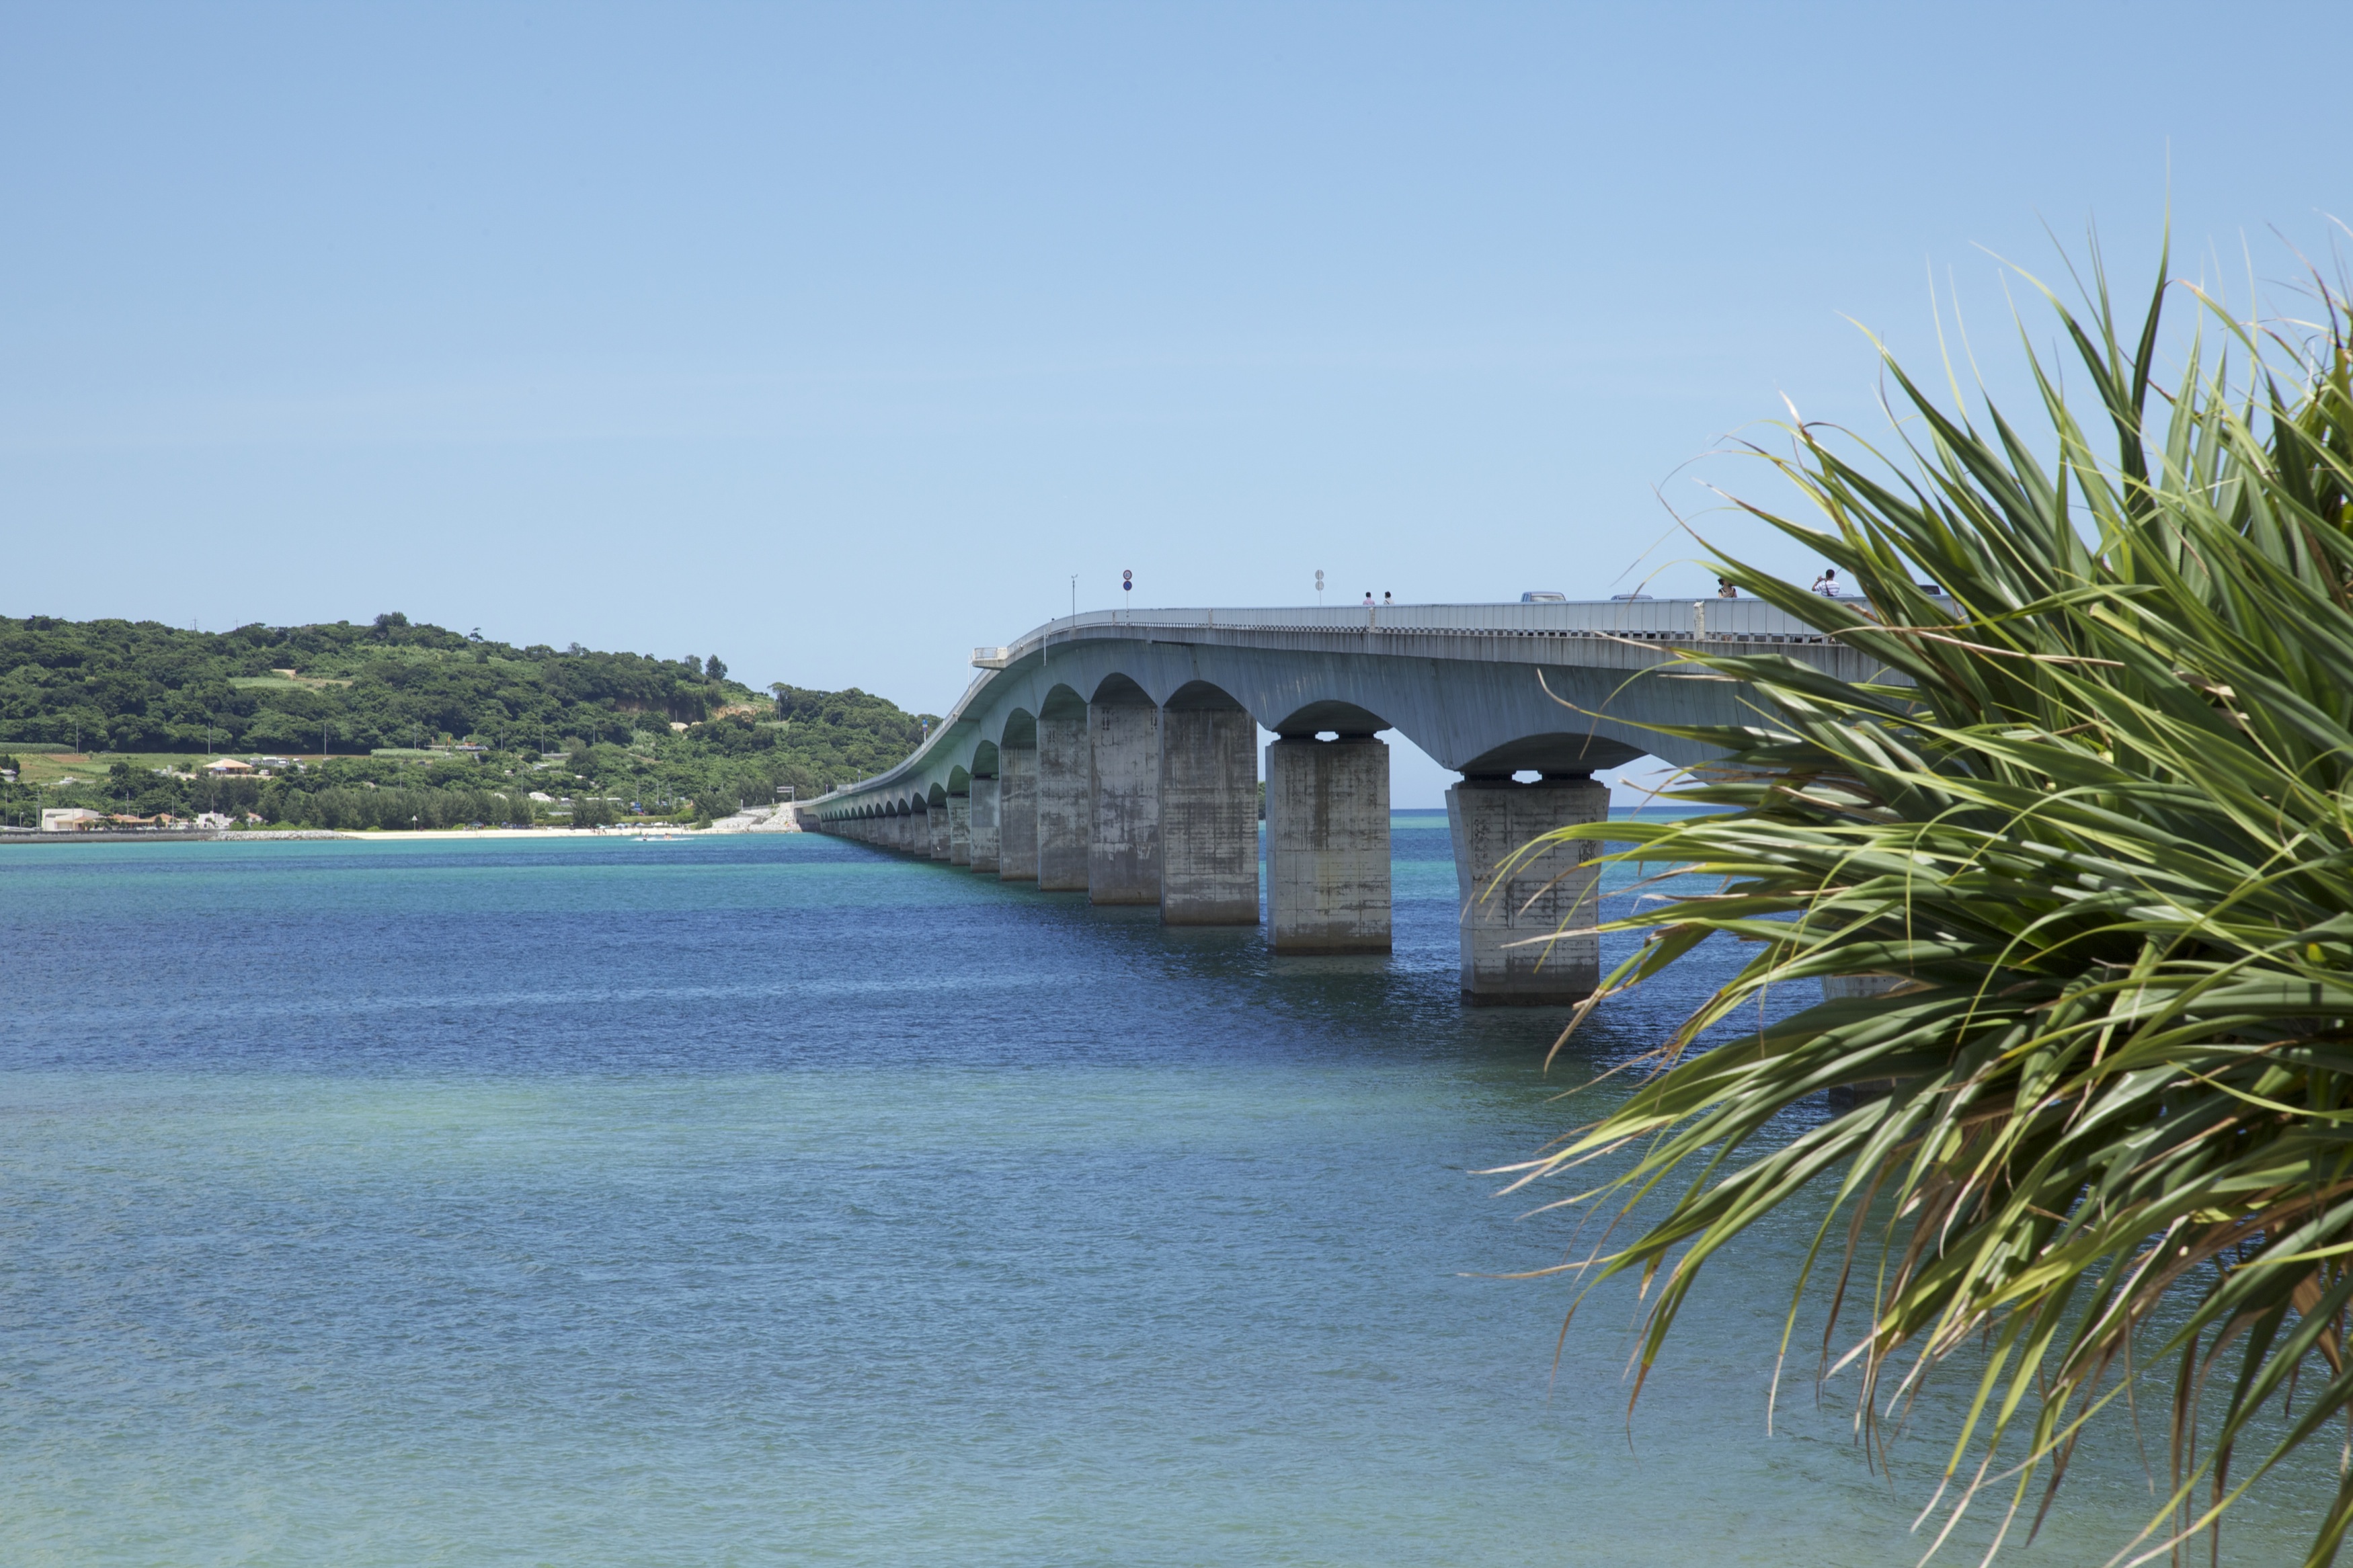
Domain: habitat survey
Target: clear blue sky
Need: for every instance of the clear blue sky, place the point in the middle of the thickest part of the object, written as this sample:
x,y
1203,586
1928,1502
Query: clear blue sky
x,y
835,340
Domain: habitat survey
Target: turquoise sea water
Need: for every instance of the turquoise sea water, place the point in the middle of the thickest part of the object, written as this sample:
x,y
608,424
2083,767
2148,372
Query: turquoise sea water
x,y
778,1200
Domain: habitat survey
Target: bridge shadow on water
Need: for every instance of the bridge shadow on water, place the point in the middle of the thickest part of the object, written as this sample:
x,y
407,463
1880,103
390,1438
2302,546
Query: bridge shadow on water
x,y
1373,1006
747,953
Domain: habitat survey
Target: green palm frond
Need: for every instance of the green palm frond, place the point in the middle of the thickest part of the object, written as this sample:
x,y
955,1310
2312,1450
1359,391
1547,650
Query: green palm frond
x,y
2095,820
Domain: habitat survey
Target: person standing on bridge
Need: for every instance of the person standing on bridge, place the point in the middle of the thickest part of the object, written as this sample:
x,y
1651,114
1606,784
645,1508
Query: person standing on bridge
x,y
1725,590
1826,584
1368,598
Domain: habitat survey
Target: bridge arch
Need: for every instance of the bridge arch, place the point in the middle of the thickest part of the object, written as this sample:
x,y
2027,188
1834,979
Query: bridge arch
x,y
1121,691
1201,696
1062,701
1345,719
1556,754
984,760
1018,732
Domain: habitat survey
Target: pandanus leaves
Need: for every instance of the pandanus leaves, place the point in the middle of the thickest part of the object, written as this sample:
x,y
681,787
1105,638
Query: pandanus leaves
x,y
2091,825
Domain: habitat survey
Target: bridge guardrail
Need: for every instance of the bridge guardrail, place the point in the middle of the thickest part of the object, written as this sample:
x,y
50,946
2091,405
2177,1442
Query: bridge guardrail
x,y
1737,620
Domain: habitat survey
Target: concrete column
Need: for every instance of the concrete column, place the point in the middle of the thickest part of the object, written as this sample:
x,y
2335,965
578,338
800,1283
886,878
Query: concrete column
x,y
935,825
1064,805
1209,816
1327,845
1854,987
959,830
1841,987
1123,850
1017,815
983,825
1492,819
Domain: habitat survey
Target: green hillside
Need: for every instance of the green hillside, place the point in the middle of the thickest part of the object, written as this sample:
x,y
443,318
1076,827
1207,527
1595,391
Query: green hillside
x,y
122,708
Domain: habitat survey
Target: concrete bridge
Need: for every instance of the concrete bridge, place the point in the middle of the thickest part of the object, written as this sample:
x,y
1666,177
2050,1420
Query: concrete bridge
x,y
1116,752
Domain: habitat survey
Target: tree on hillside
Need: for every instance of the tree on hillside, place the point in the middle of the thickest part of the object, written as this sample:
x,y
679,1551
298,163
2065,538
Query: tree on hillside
x,y
391,683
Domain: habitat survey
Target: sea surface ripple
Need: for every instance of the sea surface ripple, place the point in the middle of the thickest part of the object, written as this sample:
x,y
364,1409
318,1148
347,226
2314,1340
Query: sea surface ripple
x,y
773,1199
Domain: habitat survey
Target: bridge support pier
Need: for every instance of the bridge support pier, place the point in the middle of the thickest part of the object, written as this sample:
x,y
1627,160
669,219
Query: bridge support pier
x,y
1123,843
935,829
982,833
1327,845
1065,803
1845,987
959,830
1209,816
1017,815
1491,819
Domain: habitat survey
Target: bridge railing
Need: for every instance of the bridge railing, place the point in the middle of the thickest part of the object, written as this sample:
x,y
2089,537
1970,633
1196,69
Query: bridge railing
x,y
1707,619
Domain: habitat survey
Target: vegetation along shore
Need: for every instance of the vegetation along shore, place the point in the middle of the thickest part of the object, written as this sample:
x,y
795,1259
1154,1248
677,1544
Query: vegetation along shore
x,y
397,725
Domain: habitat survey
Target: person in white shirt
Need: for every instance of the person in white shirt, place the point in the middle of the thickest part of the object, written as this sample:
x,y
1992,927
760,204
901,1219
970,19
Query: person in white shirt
x,y
1826,584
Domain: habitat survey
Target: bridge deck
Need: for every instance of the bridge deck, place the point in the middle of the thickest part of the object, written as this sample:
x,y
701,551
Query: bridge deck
x,y
1618,633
